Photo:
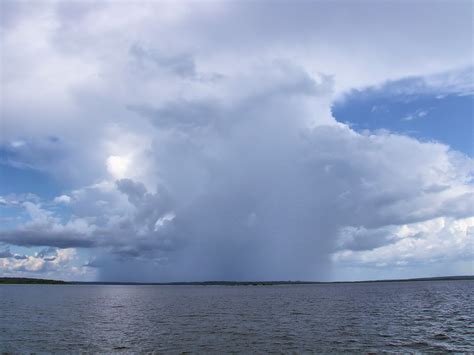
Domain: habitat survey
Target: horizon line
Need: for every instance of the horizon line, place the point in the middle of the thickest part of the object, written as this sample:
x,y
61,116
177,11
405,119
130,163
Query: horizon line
x,y
230,282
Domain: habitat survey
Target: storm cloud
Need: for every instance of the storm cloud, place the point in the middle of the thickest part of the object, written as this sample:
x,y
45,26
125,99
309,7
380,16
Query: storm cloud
x,y
192,149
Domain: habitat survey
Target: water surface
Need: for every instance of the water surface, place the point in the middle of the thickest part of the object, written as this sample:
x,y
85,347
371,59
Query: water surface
x,y
399,316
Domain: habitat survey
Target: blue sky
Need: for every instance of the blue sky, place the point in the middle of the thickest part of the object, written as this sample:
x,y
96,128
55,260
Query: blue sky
x,y
446,118
165,141
20,180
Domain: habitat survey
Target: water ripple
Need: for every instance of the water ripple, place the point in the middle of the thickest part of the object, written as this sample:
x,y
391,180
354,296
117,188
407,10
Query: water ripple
x,y
373,317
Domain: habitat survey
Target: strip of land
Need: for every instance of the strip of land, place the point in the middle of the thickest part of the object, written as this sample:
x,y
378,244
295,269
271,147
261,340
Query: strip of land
x,y
21,280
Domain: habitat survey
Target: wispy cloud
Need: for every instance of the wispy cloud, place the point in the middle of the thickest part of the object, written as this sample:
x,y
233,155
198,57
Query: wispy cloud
x,y
415,115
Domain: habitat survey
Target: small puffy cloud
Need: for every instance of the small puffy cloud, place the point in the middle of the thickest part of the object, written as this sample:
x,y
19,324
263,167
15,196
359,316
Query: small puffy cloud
x,y
53,261
63,199
163,221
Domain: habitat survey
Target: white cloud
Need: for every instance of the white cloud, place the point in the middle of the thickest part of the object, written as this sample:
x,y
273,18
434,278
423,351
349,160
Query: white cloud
x,y
117,166
415,115
162,221
53,58
440,240
214,177
193,113
65,199
56,261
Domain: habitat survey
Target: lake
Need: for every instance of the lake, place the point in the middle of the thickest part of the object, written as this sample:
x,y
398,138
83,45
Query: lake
x,y
394,317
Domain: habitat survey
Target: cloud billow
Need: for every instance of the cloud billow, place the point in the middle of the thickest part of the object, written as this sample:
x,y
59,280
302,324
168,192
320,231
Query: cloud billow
x,y
258,189
186,163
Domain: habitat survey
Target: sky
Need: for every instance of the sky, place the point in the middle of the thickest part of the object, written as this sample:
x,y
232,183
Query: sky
x,y
159,141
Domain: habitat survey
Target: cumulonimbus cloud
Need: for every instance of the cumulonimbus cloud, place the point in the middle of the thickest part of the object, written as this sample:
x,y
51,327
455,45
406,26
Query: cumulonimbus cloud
x,y
260,189
184,164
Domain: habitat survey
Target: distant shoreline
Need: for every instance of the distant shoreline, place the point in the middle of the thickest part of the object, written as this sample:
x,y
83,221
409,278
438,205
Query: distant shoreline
x,y
34,281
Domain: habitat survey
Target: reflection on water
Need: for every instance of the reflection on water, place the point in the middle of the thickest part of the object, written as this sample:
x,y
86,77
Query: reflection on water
x,y
411,316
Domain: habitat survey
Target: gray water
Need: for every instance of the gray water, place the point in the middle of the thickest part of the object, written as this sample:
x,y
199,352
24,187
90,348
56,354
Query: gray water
x,y
393,317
